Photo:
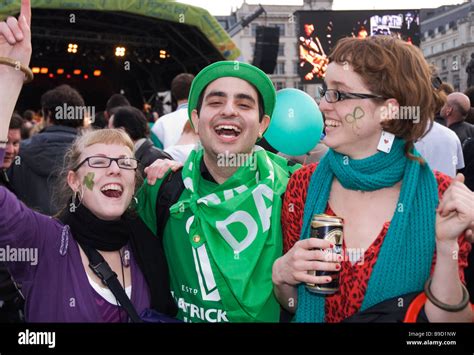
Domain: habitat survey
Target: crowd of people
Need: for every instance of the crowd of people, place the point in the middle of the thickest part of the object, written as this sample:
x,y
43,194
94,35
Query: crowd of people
x,y
118,221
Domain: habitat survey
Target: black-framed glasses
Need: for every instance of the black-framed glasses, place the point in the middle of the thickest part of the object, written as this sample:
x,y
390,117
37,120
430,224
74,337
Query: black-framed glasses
x,y
332,96
104,162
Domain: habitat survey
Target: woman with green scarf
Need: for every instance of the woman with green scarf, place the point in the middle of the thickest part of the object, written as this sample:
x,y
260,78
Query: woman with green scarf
x,y
406,228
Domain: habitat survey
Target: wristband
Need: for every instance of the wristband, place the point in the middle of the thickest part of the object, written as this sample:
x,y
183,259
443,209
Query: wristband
x,y
447,307
18,66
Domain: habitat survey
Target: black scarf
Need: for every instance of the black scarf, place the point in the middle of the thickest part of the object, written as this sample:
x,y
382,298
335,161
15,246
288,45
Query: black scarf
x,y
99,234
147,250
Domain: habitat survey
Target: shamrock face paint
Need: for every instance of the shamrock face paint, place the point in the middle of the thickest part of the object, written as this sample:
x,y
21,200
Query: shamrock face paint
x,y
89,181
355,117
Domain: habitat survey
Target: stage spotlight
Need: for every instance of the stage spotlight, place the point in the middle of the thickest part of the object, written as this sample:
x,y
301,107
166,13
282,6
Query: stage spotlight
x,y
97,73
162,54
119,51
44,71
77,72
86,76
51,75
72,48
35,70
60,71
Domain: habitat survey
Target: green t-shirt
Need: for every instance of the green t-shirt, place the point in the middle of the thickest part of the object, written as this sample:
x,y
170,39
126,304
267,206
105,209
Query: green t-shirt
x,y
200,285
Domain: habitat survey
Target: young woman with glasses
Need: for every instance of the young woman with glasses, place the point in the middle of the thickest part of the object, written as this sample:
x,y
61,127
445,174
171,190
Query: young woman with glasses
x,y
406,228
96,191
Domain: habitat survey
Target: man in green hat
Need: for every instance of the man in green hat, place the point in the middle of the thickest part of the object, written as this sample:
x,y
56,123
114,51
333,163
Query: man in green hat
x,y
223,233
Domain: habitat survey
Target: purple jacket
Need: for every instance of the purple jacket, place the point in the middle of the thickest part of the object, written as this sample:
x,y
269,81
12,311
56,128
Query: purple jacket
x,y
56,288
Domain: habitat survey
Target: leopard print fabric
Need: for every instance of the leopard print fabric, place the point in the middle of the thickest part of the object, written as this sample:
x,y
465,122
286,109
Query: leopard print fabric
x,y
353,277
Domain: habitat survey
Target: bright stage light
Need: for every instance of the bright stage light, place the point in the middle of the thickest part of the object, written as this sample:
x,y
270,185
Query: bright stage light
x,y
97,73
72,48
44,71
119,51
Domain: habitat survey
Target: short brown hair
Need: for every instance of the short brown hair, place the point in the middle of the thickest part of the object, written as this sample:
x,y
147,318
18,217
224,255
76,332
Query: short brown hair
x,y
392,68
181,85
56,98
16,122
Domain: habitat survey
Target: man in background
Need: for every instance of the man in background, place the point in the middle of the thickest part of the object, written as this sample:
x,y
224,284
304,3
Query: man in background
x,y
41,157
169,127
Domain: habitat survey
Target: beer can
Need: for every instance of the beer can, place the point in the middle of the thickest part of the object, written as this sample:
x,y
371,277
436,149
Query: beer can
x,y
329,228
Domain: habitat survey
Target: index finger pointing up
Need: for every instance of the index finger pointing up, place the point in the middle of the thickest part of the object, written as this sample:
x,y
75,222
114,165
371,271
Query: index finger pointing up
x,y
26,10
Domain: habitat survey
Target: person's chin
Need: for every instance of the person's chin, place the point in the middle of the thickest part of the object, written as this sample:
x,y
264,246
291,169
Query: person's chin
x,y
111,213
6,163
112,207
330,141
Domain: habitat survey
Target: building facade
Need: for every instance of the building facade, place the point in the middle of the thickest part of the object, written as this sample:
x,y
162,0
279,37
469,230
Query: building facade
x,y
281,16
447,35
447,40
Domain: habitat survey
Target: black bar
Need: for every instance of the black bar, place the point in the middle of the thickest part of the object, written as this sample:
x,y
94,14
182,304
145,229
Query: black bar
x,y
291,338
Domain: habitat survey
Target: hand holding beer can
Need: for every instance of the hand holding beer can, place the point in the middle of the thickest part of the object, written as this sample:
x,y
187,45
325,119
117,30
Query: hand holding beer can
x,y
329,228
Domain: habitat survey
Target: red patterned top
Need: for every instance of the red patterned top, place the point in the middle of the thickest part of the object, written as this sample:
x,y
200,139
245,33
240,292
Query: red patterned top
x,y
353,278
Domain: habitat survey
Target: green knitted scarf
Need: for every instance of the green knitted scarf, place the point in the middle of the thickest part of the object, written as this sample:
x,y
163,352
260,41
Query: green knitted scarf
x,y
405,257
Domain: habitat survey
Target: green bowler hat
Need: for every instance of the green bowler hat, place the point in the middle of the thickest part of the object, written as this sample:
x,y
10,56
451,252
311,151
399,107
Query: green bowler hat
x,y
240,70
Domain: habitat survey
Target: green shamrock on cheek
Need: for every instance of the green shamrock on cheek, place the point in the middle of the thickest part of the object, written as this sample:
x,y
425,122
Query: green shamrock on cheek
x,y
89,181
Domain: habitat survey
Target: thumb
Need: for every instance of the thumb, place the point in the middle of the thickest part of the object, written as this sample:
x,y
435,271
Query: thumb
x,y
459,177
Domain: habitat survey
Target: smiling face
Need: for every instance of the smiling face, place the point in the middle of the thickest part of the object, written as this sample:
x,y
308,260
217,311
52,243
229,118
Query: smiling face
x,y
229,117
106,192
12,148
352,125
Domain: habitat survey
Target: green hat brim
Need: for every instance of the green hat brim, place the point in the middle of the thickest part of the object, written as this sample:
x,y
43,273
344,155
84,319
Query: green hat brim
x,y
240,70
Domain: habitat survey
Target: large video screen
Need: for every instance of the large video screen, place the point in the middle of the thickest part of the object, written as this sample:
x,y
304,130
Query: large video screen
x,y
319,31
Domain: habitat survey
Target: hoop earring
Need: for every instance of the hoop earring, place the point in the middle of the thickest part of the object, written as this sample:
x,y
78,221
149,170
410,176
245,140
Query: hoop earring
x,y
133,204
72,205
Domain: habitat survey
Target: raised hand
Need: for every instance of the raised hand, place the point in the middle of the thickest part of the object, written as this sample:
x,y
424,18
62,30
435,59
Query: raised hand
x,y
455,212
15,36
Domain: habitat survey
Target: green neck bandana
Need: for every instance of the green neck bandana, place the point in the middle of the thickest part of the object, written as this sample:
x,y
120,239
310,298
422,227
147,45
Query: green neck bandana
x,y
239,221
